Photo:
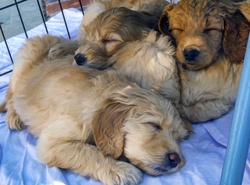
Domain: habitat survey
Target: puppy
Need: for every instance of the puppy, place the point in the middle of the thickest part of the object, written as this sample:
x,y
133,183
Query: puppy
x,y
70,108
115,26
211,39
109,30
95,8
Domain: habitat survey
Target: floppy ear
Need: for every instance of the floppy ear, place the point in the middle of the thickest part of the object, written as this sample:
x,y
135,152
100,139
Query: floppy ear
x,y
107,127
236,31
163,23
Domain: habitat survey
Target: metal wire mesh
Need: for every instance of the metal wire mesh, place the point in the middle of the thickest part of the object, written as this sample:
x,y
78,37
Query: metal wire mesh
x,y
41,12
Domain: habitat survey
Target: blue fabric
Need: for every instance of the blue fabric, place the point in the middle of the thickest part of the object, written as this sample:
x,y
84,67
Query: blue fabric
x,y
204,151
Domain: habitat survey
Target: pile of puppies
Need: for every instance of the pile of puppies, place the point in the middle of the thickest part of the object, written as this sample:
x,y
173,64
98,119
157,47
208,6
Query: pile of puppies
x,y
121,89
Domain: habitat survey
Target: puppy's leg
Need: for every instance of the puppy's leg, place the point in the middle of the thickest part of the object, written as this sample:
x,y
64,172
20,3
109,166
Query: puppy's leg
x,y
204,111
12,119
62,145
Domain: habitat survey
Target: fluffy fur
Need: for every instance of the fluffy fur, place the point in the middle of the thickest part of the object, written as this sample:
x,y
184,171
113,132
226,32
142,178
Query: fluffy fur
x,y
23,67
96,7
149,62
211,39
245,9
69,108
116,26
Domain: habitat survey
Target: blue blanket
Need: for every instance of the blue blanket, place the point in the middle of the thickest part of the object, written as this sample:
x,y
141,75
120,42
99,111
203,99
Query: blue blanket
x,y
204,151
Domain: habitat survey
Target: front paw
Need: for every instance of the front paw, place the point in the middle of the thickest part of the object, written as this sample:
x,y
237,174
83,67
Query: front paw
x,y
123,173
62,49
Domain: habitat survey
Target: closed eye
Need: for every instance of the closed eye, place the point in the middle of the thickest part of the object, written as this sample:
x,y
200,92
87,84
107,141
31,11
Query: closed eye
x,y
176,31
154,125
209,30
107,41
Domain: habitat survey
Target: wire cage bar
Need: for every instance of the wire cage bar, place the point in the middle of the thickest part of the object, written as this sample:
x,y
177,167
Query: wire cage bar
x,y
17,4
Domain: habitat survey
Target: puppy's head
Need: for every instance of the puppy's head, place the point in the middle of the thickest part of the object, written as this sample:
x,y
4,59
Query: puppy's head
x,y
205,30
110,30
144,127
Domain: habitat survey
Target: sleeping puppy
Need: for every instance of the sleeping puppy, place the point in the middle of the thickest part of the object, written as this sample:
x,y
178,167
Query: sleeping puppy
x,y
150,8
211,40
109,30
115,26
71,108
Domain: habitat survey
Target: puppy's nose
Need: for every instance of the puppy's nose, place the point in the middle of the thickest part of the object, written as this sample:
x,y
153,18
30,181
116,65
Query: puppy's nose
x,y
190,54
174,159
80,59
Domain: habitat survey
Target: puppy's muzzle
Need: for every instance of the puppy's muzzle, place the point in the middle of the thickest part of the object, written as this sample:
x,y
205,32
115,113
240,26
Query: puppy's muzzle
x,y
173,159
80,59
190,54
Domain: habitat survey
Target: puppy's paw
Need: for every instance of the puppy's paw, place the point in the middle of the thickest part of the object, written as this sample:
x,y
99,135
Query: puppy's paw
x,y
14,121
124,174
62,49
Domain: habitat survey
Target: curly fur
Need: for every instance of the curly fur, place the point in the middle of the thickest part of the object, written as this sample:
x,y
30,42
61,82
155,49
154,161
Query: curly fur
x,y
219,33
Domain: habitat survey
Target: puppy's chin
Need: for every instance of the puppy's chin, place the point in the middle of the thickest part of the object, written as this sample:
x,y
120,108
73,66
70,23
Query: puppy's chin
x,y
196,64
156,169
193,67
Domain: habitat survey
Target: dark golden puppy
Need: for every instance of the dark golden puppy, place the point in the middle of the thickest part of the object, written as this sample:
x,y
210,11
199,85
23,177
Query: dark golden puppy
x,y
211,40
204,31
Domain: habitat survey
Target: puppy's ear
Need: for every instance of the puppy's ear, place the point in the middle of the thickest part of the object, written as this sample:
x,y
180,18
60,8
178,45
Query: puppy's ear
x,y
235,38
163,23
107,127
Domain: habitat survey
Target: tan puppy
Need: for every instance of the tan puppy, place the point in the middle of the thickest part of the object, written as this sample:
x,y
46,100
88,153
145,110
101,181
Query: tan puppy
x,y
96,7
69,108
211,40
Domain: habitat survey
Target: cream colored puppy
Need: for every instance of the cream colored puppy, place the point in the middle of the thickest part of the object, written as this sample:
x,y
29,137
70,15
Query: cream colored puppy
x,y
70,108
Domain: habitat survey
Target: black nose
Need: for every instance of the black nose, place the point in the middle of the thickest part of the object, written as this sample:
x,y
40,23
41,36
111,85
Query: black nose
x,y
80,59
190,54
174,159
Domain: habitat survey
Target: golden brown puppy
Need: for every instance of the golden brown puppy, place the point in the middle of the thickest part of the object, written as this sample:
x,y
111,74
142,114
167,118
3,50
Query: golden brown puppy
x,y
113,27
69,108
96,7
211,39
109,30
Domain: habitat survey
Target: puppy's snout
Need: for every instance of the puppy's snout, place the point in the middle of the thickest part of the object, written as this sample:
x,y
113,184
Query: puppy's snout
x,y
174,159
190,53
80,59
